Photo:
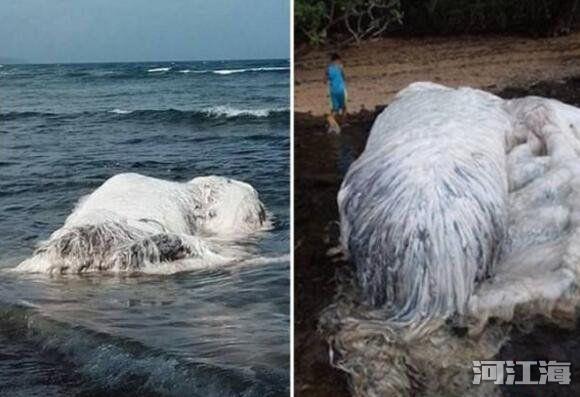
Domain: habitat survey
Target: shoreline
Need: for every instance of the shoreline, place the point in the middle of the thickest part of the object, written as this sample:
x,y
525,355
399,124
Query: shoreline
x,y
490,62
565,88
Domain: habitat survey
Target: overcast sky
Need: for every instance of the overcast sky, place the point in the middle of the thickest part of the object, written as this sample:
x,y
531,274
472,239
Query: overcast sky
x,y
143,30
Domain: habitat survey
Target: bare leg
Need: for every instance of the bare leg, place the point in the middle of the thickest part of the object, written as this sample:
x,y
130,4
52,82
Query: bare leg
x,y
342,118
332,123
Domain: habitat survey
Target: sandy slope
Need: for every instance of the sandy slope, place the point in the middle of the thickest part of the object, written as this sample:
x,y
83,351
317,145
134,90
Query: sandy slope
x,y
377,70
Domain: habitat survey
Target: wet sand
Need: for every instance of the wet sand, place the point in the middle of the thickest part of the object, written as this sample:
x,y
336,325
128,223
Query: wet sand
x,y
321,159
320,162
376,70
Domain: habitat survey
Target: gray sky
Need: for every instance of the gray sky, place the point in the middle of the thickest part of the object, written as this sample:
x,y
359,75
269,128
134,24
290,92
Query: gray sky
x,y
143,30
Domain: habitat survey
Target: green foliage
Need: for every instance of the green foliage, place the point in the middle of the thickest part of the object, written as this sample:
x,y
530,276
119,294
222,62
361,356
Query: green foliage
x,y
458,16
310,16
343,21
366,18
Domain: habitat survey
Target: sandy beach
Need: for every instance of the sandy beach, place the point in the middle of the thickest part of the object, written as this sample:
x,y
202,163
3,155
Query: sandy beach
x,y
376,70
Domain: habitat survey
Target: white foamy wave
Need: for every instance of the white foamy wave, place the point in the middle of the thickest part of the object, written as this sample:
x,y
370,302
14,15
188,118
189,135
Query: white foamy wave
x,y
226,111
157,70
120,111
228,71
233,71
263,69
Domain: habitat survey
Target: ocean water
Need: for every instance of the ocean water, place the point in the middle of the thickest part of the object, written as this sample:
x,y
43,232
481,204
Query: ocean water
x,y
65,129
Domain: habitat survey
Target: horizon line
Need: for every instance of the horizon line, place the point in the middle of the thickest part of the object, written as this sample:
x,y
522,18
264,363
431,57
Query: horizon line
x,y
175,61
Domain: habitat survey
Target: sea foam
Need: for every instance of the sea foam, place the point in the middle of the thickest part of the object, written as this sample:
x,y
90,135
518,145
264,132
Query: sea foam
x,y
262,69
121,111
157,70
228,111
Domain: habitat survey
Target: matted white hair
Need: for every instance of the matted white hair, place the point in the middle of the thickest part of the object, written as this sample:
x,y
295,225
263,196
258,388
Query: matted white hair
x,y
134,222
423,210
463,207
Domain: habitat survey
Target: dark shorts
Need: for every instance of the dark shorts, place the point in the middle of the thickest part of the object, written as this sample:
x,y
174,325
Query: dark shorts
x,y
338,100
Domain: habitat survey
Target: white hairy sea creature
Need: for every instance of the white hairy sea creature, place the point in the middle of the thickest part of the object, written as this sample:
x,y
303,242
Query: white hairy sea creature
x,y
424,208
134,222
463,207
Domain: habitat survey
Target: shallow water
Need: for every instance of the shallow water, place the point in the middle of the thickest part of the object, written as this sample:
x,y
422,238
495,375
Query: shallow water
x,y
65,129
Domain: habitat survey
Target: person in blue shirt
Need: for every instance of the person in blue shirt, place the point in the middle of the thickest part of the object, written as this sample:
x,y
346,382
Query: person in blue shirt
x,y
337,91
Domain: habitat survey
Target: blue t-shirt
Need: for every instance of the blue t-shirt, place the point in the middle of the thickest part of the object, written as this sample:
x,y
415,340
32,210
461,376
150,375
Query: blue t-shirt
x,y
335,78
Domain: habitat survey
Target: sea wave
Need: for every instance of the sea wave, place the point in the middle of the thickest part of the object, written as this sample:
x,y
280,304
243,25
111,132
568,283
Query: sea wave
x,y
207,114
225,71
159,115
120,111
116,363
261,69
230,112
157,70
137,73
234,71
9,116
